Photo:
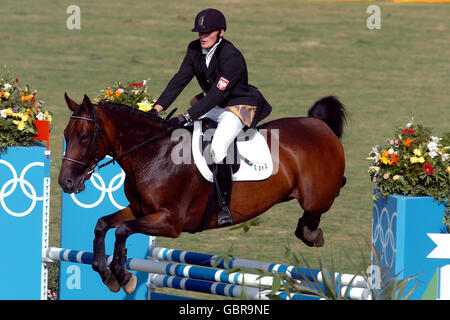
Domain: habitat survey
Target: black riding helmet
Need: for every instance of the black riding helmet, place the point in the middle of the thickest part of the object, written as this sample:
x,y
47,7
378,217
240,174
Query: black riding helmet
x,y
209,20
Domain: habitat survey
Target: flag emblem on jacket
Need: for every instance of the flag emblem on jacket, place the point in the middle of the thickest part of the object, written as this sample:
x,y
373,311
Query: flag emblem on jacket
x,y
222,84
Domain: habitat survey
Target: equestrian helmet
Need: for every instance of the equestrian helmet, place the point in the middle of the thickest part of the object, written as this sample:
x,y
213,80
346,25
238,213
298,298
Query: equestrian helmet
x,y
209,20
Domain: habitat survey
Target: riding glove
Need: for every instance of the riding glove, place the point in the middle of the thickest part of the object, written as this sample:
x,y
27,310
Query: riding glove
x,y
177,122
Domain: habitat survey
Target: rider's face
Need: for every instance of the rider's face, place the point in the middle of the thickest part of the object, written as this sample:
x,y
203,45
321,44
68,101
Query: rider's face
x,y
207,39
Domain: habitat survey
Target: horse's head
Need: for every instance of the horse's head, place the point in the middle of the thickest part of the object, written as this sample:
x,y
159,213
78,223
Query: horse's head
x,y
82,136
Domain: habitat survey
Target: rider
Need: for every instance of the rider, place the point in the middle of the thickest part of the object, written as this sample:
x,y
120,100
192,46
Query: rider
x,y
227,96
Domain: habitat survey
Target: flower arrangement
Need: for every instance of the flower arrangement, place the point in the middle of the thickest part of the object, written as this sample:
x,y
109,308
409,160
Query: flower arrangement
x,y
19,109
413,163
132,94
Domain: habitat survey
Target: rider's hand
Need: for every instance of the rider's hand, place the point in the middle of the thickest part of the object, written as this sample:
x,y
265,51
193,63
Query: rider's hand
x,y
158,107
177,122
194,100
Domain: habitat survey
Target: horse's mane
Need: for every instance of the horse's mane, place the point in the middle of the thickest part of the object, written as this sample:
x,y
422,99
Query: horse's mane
x,y
121,107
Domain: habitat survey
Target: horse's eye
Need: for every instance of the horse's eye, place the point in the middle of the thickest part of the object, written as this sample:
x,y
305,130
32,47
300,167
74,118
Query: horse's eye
x,y
84,138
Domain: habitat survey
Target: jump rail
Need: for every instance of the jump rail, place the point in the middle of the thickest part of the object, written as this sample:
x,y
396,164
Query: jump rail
x,y
200,279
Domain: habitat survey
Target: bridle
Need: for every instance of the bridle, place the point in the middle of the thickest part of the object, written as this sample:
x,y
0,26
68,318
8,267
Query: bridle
x,y
94,143
98,133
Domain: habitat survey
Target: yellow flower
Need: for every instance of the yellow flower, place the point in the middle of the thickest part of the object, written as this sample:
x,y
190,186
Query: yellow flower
x,y
448,169
4,94
417,152
47,116
20,124
384,160
24,117
144,106
416,159
396,177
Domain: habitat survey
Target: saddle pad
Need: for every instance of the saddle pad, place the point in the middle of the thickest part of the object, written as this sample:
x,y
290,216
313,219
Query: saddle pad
x,y
255,158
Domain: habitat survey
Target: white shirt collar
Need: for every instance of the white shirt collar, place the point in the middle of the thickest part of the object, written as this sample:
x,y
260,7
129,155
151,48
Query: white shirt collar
x,y
210,53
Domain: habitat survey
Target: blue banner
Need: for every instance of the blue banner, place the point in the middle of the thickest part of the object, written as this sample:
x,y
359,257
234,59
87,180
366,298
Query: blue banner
x,y
24,209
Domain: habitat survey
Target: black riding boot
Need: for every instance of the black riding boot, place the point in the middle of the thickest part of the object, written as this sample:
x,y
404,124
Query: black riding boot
x,y
222,183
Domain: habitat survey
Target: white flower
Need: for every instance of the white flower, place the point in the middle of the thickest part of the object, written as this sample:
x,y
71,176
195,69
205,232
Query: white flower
x,y
374,169
435,139
432,147
40,116
3,113
144,82
391,151
374,152
6,86
409,124
445,156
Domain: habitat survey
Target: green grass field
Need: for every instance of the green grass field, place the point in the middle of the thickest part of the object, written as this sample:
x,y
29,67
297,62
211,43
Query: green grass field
x,y
296,52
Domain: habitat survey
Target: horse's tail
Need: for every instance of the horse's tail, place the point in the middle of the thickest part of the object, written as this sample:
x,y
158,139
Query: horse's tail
x,y
332,112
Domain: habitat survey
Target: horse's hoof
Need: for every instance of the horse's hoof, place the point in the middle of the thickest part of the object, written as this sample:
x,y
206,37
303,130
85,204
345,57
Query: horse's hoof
x,y
318,240
113,284
310,238
130,286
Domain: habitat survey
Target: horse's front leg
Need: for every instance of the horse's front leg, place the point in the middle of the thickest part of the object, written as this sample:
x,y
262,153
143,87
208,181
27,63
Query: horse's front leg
x,y
156,224
99,260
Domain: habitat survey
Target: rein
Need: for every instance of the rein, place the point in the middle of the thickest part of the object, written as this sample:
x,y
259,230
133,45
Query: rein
x,y
154,138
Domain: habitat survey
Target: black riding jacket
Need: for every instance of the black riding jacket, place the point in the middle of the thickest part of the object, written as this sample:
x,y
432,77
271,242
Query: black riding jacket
x,y
224,82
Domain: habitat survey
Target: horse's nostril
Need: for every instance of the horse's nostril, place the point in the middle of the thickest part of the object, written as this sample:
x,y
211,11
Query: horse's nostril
x,y
69,183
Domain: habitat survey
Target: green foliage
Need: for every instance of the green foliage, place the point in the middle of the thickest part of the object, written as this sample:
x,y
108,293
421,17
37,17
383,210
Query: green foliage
x,y
332,288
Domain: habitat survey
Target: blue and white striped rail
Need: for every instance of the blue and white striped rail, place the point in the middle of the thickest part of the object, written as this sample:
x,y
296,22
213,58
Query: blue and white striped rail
x,y
191,278
166,268
217,288
208,260
203,279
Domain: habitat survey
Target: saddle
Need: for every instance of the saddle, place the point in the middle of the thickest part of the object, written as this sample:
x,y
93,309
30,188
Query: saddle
x,y
249,154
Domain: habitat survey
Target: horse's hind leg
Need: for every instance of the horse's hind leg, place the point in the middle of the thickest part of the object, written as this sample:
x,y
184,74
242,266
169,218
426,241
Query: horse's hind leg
x,y
308,230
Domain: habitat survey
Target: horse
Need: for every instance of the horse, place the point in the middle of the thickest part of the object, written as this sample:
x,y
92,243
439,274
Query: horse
x,y
311,166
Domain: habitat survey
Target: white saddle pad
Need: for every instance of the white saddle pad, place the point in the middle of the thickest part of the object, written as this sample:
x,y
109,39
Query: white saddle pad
x,y
255,161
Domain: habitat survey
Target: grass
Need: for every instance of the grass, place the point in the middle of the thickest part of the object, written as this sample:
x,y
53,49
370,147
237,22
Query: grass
x,y
296,52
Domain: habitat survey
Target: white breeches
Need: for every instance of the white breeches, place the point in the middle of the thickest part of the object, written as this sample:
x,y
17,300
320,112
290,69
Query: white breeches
x,y
228,128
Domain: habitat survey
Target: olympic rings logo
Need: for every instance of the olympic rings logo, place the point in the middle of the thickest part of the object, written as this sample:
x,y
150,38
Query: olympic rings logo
x,y
26,187
383,232
98,183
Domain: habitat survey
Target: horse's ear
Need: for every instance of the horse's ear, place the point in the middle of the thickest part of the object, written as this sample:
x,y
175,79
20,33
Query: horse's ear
x,y
87,102
70,103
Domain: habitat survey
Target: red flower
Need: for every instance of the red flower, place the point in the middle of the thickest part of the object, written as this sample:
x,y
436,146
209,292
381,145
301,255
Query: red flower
x,y
428,169
411,131
138,84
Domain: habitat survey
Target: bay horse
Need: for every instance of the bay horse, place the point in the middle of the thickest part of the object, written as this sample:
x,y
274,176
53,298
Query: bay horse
x,y
311,167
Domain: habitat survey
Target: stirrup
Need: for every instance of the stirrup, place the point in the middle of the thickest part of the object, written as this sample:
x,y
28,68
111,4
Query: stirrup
x,y
224,216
